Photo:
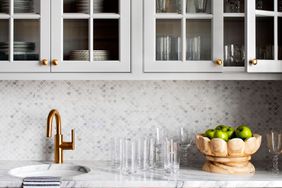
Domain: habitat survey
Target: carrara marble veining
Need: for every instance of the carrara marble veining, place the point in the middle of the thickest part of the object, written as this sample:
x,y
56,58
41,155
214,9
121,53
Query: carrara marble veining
x,y
100,110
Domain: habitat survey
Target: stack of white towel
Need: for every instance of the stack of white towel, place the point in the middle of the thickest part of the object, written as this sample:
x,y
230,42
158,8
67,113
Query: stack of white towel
x,y
39,182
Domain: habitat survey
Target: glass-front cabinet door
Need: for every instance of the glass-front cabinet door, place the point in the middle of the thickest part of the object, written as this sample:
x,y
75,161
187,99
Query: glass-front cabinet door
x,y
24,35
264,35
183,36
90,36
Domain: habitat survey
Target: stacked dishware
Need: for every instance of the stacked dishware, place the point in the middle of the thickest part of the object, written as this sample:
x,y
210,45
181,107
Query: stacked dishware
x,y
22,50
83,55
98,6
168,47
83,6
4,47
20,6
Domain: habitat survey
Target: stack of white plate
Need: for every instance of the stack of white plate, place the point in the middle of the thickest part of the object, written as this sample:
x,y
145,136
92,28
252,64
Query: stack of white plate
x,y
19,47
101,55
20,6
83,55
23,6
82,6
98,6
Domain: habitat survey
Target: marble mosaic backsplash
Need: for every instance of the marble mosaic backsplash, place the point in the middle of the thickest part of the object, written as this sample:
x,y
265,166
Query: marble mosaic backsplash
x,y
101,110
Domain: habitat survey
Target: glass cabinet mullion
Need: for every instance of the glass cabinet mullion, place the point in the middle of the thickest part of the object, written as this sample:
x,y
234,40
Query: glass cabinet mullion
x,y
275,48
183,39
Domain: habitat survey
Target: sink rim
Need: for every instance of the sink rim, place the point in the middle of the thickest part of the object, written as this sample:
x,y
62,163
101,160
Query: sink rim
x,y
45,168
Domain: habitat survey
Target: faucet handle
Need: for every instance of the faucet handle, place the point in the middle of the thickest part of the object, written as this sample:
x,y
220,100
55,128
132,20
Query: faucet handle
x,y
70,145
72,139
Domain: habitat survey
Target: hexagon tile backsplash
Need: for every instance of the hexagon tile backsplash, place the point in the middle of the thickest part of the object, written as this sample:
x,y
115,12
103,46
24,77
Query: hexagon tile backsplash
x,y
100,110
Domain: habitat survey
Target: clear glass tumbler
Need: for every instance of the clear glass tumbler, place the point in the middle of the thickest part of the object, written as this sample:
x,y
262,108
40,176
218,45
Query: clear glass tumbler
x,y
116,152
185,143
201,6
171,156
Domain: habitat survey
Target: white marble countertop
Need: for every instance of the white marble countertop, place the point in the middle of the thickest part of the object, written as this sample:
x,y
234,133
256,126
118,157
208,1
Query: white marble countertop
x,y
101,175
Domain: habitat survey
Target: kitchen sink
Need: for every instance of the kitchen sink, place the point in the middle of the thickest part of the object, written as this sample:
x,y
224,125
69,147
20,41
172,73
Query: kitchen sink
x,y
58,170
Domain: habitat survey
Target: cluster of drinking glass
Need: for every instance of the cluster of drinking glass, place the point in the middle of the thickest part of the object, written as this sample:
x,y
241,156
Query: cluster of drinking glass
x,y
132,155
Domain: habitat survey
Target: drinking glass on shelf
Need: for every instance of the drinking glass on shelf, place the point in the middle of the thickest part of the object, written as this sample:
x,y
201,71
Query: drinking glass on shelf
x,y
171,156
161,5
185,143
168,47
233,6
274,144
259,4
201,6
194,48
280,5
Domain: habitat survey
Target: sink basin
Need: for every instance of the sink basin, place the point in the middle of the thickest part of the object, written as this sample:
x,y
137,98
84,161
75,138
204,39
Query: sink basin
x,y
58,170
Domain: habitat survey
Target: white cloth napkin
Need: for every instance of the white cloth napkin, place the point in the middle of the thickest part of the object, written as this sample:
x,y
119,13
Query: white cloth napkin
x,y
43,181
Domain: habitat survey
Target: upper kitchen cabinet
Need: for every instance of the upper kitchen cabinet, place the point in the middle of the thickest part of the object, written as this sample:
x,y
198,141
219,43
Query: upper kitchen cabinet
x,y
24,35
90,36
264,35
194,35
183,36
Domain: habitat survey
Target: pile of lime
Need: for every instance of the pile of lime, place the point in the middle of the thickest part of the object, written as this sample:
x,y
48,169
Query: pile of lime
x,y
226,132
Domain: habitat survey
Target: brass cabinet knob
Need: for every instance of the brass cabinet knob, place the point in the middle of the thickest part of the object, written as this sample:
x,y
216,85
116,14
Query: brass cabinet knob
x,y
254,62
44,62
218,62
55,62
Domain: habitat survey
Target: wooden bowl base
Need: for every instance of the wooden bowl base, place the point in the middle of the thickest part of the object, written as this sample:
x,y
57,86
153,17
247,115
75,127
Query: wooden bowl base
x,y
229,168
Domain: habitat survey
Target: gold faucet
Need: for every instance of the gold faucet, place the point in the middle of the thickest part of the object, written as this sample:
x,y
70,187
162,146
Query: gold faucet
x,y
59,144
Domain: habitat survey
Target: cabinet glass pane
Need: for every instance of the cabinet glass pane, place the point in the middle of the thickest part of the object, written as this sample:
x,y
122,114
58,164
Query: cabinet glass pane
x,y
198,6
234,50
106,6
5,6
279,5
265,37
76,46
265,5
106,40
26,39
168,40
76,6
198,42
168,6
280,38
4,40
234,6
99,6
27,6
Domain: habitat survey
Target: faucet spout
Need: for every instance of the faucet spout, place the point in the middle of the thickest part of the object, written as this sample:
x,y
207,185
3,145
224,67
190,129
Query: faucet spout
x,y
59,144
54,113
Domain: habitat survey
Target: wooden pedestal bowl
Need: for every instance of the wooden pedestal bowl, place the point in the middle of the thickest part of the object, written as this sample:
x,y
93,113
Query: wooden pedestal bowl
x,y
232,157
